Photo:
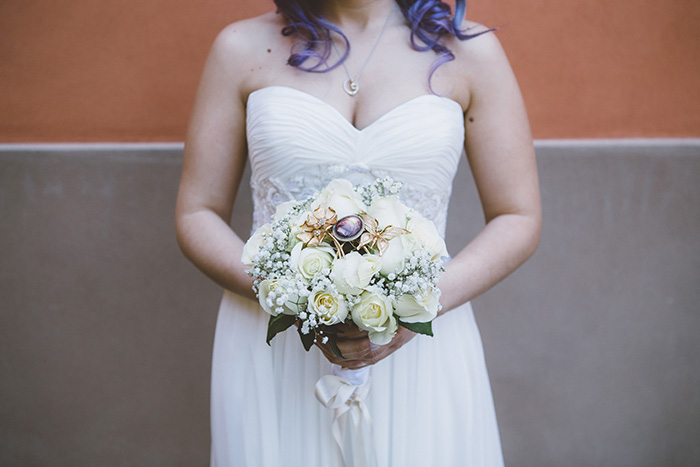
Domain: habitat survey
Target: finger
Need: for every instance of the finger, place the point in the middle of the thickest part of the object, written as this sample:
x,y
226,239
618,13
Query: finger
x,y
351,332
381,352
355,349
373,356
333,358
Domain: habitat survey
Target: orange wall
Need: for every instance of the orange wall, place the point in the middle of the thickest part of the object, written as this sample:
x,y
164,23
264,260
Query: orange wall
x,y
126,70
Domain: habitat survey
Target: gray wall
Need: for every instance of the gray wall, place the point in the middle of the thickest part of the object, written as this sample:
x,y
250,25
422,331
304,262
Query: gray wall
x,y
106,330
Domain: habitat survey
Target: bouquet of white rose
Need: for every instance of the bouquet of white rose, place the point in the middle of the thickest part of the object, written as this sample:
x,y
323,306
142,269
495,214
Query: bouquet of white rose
x,y
347,254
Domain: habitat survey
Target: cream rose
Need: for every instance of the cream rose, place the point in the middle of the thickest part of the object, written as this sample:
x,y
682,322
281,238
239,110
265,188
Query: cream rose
x,y
294,230
418,310
341,197
425,232
252,246
374,314
310,260
353,273
394,257
283,209
388,211
329,308
272,286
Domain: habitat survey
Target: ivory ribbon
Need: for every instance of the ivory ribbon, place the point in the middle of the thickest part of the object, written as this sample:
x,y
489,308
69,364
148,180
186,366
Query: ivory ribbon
x,y
345,392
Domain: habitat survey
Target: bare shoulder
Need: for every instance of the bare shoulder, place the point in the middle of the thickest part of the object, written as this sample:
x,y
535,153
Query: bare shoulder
x,y
481,50
480,63
246,38
242,49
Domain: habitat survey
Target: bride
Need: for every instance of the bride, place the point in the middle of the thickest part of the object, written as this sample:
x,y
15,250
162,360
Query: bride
x,y
357,89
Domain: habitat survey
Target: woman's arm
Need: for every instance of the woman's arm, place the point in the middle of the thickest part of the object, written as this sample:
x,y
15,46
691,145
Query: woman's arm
x,y
502,159
214,159
501,155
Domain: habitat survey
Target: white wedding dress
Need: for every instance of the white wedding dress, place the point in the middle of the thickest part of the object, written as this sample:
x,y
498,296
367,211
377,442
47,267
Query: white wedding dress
x,y
430,402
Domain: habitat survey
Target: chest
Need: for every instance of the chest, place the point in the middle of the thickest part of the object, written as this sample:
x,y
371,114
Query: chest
x,y
387,75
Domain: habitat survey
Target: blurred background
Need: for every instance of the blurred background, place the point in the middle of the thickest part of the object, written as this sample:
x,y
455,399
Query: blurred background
x,y
106,330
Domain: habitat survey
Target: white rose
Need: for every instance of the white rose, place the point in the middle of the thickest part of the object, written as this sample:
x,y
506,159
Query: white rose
x,y
330,308
426,233
310,260
283,209
374,314
272,286
295,229
412,310
388,211
252,246
340,196
353,273
394,257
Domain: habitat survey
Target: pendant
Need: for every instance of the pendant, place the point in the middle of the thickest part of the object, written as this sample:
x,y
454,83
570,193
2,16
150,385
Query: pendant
x,y
351,86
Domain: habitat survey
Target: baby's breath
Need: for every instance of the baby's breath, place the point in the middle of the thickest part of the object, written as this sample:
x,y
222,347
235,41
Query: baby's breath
x,y
381,187
292,291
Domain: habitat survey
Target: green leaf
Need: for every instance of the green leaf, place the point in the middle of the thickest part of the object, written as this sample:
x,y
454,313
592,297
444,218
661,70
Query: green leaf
x,y
420,328
278,324
307,339
334,346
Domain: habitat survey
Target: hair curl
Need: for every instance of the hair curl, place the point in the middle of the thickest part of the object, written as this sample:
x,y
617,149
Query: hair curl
x,y
430,21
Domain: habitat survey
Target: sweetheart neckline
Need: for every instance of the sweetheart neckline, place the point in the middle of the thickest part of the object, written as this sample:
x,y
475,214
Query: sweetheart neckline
x,y
345,119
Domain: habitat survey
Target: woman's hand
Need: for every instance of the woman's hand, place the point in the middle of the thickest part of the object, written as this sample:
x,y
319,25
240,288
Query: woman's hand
x,y
358,351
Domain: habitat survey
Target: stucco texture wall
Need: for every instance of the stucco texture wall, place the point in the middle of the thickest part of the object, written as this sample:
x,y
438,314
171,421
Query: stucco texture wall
x,y
79,70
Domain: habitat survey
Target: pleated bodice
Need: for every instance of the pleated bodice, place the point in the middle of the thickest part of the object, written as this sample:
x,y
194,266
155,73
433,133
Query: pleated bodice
x,y
297,143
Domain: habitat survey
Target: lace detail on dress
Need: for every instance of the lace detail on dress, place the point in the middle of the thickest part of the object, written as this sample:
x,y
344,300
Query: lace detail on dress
x,y
432,204
272,191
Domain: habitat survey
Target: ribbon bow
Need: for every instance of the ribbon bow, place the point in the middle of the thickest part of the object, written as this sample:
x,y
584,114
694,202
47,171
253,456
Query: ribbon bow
x,y
345,392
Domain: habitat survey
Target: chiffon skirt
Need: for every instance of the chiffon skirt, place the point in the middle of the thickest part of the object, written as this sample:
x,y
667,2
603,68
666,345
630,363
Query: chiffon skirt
x,y
430,402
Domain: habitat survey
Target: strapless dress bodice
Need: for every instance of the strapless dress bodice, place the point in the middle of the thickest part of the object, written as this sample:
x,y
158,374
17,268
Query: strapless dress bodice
x,y
297,143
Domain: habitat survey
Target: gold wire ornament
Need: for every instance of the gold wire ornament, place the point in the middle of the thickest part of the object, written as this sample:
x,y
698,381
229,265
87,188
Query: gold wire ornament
x,y
318,224
376,237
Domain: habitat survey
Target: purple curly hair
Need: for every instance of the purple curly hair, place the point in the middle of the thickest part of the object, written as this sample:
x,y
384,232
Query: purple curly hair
x,y
430,21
